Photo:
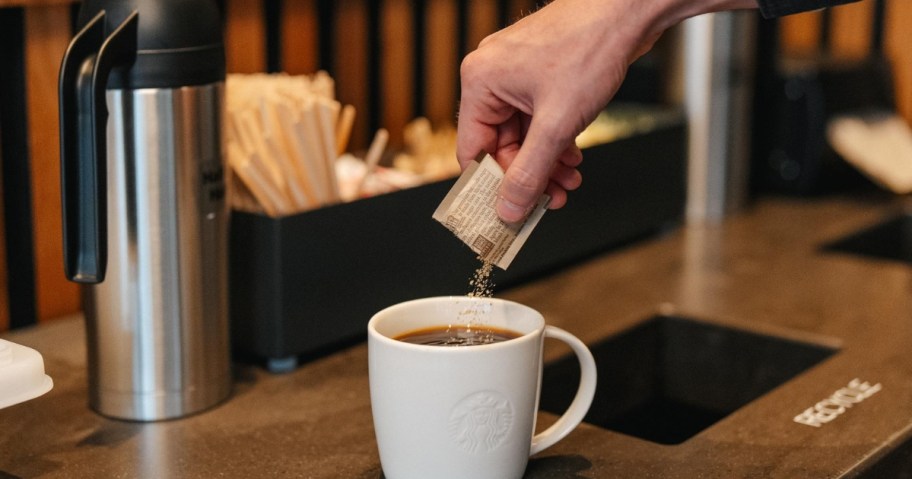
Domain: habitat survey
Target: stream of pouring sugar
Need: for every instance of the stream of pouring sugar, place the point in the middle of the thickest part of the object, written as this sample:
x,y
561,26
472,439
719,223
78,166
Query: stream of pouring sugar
x,y
480,286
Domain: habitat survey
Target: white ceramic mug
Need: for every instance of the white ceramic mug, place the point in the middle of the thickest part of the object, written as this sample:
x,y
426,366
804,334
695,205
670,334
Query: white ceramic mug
x,y
464,412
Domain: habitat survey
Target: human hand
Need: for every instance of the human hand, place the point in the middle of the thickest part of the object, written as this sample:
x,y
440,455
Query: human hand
x,y
531,88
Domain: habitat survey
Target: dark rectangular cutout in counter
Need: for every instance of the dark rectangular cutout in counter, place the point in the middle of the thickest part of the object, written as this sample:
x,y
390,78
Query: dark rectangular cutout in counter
x,y
890,239
668,378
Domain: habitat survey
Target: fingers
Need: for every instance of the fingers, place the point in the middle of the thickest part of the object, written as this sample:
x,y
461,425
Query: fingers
x,y
474,137
529,174
566,177
558,196
480,112
572,156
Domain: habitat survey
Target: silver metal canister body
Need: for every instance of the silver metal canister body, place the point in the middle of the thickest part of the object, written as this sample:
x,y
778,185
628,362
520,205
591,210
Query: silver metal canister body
x,y
158,336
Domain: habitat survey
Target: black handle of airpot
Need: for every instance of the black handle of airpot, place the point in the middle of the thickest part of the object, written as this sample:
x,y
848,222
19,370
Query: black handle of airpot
x,y
84,73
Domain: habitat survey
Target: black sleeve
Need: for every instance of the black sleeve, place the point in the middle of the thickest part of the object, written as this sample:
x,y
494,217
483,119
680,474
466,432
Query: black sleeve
x,y
778,8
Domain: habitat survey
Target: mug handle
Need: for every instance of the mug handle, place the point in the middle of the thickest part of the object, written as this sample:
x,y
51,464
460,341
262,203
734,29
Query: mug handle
x,y
580,405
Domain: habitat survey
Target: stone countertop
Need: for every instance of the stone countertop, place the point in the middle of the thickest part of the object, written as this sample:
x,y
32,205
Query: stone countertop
x,y
761,270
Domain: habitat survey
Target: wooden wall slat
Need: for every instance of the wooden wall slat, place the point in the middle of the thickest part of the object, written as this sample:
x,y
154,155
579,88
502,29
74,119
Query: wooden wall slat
x,y
899,48
443,72
350,65
47,31
799,33
299,35
482,22
852,29
396,69
245,36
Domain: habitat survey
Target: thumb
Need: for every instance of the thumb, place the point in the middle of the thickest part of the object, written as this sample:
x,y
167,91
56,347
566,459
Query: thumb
x,y
527,175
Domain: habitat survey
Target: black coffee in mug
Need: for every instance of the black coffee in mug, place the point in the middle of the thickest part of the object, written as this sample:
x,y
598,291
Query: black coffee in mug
x,y
457,335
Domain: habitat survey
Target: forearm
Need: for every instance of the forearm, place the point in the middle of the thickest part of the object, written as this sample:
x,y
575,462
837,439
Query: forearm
x,y
531,88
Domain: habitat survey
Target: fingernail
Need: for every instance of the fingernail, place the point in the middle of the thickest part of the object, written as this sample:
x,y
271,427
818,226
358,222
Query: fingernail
x,y
508,211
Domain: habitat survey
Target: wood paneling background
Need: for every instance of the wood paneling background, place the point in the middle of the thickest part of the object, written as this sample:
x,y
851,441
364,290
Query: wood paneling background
x,y
850,39
361,32
393,60
353,48
47,30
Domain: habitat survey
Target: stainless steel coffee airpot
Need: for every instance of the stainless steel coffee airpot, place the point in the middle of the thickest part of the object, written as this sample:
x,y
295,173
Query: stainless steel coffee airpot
x,y
144,212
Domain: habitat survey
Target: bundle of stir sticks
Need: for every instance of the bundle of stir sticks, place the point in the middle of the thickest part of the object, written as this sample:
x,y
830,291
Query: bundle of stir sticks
x,y
284,134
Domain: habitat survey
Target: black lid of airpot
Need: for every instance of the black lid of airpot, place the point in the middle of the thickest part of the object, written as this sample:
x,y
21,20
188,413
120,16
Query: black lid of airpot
x,y
179,42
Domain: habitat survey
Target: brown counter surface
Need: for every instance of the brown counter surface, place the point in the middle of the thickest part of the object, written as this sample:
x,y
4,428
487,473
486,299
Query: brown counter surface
x,y
761,269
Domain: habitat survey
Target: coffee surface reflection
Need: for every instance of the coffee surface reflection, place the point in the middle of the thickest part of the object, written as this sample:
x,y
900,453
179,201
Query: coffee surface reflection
x,y
457,335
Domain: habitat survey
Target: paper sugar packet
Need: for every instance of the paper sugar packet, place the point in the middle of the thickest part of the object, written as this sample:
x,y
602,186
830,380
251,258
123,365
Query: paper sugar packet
x,y
468,211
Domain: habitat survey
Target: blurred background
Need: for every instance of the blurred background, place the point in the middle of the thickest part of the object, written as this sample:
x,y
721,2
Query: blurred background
x,y
396,60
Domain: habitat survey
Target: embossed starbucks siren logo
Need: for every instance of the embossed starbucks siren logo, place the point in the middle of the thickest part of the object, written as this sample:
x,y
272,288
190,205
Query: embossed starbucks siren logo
x,y
480,422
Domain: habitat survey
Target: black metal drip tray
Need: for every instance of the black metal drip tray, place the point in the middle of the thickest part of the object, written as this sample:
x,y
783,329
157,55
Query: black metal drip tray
x,y
890,239
669,378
